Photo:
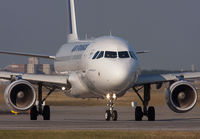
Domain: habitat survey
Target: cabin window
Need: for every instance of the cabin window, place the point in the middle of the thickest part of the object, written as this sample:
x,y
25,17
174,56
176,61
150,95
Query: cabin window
x,y
133,55
110,54
95,55
100,55
123,54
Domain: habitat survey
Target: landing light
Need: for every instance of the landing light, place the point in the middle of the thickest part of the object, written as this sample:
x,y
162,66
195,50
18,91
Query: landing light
x,y
63,88
108,96
114,96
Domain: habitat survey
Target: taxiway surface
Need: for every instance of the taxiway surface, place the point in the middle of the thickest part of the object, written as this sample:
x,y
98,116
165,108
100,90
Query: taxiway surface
x,y
92,118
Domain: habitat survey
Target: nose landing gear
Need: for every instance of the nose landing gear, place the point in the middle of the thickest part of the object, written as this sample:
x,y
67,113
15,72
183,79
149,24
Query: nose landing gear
x,y
111,113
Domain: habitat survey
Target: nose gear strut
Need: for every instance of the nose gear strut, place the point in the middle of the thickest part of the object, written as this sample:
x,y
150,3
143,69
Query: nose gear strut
x,y
111,113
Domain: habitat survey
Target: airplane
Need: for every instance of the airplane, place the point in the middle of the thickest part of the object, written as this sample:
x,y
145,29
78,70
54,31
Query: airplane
x,y
104,67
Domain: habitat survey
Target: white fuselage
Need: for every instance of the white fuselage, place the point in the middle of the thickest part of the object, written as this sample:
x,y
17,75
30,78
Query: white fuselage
x,y
98,67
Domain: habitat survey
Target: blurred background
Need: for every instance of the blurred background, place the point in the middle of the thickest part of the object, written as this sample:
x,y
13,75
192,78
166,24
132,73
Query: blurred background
x,y
169,29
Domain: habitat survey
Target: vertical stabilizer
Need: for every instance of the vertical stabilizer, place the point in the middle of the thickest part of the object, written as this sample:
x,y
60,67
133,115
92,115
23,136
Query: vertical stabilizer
x,y
72,35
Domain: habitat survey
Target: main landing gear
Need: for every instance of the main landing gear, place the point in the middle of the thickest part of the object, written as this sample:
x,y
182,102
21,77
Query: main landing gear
x,y
111,113
35,111
146,111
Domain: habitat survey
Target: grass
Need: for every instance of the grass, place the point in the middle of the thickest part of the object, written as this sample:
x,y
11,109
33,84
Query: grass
x,y
30,134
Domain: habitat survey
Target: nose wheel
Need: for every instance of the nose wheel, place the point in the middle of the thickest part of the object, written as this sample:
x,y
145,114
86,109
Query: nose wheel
x,y
111,113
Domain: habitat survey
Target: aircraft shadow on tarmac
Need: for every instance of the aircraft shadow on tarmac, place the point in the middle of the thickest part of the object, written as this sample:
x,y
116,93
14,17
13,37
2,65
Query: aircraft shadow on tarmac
x,y
179,119
168,120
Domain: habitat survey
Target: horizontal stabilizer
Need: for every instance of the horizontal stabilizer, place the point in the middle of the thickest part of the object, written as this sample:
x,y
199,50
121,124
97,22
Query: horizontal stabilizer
x,y
27,54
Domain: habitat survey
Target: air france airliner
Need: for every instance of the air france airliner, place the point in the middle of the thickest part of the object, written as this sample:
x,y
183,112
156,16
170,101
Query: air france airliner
x,y
104,67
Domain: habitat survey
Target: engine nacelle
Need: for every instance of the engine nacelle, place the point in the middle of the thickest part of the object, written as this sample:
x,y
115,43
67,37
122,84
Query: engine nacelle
x,y
181,96
77,88
20,95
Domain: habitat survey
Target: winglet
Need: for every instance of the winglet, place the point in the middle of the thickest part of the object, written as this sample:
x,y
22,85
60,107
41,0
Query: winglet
x,y
72,33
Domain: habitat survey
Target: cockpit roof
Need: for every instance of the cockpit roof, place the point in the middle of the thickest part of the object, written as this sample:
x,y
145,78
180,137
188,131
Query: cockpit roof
x,y
110,43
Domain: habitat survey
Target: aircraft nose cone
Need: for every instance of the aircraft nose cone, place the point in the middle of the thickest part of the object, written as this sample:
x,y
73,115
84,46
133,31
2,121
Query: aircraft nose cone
x,y
119,77
114,77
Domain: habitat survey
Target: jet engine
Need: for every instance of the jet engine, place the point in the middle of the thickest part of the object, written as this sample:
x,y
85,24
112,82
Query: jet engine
x,y
181,96
20,95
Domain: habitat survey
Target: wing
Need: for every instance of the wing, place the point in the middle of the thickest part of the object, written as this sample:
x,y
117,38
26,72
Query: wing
x,y
160,78
20,94
142,52
48,80
27,54
181,95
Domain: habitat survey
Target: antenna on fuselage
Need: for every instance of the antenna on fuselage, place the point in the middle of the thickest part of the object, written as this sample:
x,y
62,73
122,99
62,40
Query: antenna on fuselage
x,y
72,35
110,33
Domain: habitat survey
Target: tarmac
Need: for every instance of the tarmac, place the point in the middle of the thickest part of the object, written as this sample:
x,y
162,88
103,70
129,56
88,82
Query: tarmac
x,y
92,118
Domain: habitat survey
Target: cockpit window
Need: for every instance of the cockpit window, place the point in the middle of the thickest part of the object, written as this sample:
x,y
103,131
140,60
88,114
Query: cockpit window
x,y
95,55
110,54
100,55
123,54
133,55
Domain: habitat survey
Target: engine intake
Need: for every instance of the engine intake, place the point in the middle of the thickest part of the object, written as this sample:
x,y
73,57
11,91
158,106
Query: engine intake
x,y
181,96
20,95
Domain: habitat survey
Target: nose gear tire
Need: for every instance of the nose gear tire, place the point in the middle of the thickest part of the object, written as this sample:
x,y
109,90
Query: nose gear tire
x,y
107,115
114,115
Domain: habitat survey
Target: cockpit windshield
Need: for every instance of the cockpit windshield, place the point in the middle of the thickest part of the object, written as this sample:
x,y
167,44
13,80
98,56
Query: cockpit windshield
x,y
133,55
110,54
114,54
100,55
123,54
95,55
